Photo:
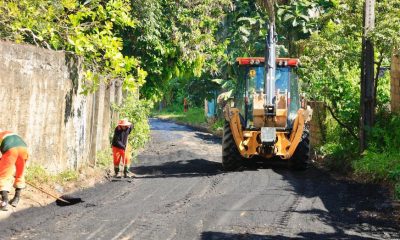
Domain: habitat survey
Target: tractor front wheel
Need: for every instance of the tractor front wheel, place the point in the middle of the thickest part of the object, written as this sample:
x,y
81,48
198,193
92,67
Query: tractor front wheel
x,y
231,158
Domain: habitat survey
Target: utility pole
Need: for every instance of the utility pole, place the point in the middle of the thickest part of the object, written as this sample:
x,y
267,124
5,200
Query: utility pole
x,y
367,76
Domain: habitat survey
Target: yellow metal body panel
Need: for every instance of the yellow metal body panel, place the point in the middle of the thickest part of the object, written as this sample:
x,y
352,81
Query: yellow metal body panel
x,y
258,110
249,143
282,145
297,132
236,128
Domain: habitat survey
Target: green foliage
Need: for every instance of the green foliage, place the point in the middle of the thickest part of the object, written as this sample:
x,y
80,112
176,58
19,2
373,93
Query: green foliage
x,y
397,191
330,73
382,160
35,173
176,42
104,158
340,149
67,176
330,63
38,174
90,30
387,26
218,125
175,112
298,19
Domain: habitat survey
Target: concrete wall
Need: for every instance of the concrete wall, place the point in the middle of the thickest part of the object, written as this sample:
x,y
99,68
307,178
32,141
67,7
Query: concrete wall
x,y
40,100
395,83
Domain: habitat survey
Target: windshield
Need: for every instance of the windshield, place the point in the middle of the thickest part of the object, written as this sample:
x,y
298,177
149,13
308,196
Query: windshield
x,y
251,80
282,79
294,105
256,79
254,84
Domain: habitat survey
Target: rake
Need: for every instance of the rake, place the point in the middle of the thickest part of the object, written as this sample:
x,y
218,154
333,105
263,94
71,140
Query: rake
x,y
60,201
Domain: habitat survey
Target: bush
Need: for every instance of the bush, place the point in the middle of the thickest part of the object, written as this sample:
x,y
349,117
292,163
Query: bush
x,y
340,147
382,159
67,176
218,125
38,174
104,158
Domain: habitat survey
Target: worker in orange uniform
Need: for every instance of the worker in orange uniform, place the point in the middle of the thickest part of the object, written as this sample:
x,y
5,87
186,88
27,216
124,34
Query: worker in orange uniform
x,y
119,145
14,154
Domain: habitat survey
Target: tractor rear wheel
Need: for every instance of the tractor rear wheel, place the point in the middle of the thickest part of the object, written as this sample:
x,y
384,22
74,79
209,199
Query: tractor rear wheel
x,y
301,157
231,158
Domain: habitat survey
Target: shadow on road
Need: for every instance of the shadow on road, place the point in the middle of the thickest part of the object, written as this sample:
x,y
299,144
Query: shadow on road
x,y
208,138
181,168
350,207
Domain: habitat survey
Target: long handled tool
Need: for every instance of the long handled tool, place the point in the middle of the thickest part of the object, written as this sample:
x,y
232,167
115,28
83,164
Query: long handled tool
x,y
60,201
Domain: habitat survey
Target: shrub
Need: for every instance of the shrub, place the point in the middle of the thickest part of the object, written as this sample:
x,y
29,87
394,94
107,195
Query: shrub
x,y
382,159
38,174
104,158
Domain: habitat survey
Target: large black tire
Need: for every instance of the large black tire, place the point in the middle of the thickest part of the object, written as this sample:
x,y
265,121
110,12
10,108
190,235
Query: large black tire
x,y
301,157
231,158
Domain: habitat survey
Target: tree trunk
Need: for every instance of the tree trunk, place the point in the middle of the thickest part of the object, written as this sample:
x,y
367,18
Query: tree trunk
x,y
395,82
367,109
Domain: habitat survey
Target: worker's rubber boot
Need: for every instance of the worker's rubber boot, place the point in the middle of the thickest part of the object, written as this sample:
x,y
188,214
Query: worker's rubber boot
x,y
126,171
4,201
116,171
14,202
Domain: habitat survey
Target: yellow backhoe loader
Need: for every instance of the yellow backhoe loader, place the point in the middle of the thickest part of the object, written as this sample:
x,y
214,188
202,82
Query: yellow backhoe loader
x,y
267,117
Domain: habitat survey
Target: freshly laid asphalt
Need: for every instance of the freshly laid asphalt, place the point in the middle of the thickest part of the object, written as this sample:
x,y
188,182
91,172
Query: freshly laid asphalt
x,y
181,192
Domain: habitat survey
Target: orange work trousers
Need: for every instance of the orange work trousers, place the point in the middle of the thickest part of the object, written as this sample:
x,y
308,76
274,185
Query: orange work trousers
x,y
14,157
118,154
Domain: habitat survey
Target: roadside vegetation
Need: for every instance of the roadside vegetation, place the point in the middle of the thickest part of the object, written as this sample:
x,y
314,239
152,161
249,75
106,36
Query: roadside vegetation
x,y
382,160
36,174
193,116
326,35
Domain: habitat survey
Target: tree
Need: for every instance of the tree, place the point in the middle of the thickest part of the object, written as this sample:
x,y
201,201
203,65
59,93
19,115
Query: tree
x,y
175,41
90,30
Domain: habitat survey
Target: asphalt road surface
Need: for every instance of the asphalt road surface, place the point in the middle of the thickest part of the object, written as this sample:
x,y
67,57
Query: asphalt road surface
x,y
182,193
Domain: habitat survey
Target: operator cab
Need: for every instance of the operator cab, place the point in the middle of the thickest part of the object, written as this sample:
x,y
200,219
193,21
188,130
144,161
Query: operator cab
x,y
250,97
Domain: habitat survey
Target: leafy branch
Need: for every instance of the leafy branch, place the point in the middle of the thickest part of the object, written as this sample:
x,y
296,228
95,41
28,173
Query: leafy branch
x,y
348,128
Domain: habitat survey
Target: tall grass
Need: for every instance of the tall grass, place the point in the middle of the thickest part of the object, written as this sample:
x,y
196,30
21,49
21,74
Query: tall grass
x,y
39,175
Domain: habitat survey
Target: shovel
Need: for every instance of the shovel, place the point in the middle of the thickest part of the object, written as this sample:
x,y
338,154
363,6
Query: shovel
x,y
60,201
